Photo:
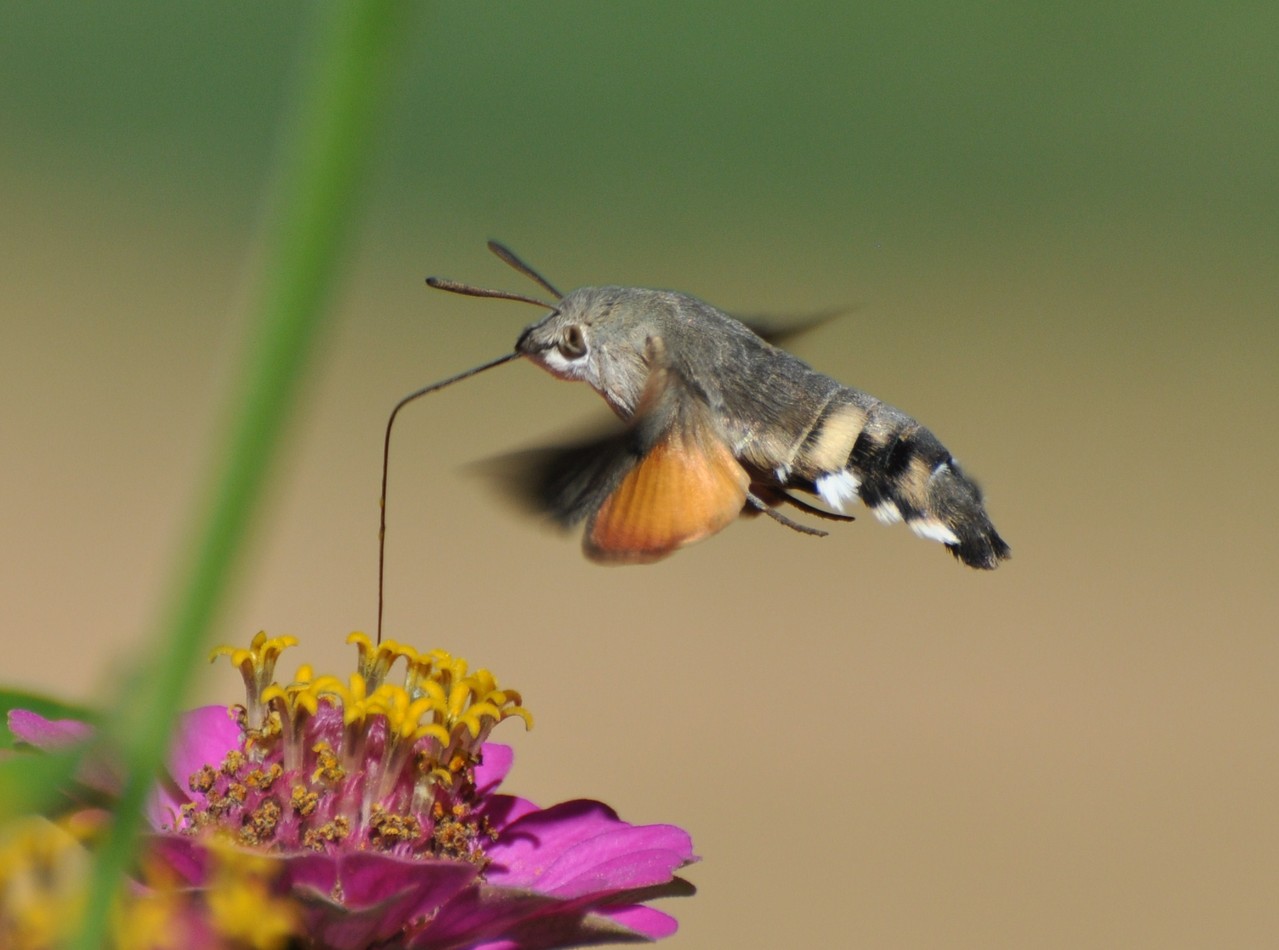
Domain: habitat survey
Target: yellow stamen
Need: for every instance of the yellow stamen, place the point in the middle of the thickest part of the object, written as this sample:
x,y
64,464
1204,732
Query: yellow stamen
x,y
375,660
295,704
356,708
257,666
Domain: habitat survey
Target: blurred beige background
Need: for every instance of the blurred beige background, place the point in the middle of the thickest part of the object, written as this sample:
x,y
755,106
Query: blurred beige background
x,y
1056,228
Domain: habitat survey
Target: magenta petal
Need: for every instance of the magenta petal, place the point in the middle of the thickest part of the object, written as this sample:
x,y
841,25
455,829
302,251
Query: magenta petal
x,y
562,826
501,811
643,919
358,900
163,805
203,737
496,760
589,876
184,855
495,918
46,734
582,847
365,877
480,914
653,924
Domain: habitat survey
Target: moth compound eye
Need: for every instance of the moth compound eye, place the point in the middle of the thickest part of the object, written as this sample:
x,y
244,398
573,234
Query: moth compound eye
x,y
572,345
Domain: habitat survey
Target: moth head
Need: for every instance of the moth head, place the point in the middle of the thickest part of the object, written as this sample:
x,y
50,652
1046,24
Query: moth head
x,y
593,336
561,343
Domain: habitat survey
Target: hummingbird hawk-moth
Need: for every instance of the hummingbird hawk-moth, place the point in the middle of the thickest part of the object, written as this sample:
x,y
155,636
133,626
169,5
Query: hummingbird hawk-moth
x,y
720,422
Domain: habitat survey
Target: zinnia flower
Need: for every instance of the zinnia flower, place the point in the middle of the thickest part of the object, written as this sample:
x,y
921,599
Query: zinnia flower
x,y
364,814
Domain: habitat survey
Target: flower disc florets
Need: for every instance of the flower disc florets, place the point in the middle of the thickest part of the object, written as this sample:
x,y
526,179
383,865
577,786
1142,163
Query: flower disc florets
x,y
363,764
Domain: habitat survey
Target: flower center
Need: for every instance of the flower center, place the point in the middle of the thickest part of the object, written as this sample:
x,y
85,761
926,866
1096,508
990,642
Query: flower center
x,y
365,764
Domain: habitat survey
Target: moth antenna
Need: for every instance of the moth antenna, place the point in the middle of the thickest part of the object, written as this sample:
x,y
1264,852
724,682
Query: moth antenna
x,y
509,257
453,287
386,458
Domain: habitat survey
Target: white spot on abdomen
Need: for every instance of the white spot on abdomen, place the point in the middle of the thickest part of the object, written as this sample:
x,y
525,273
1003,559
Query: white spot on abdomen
x,y
835,488
933,531
887,512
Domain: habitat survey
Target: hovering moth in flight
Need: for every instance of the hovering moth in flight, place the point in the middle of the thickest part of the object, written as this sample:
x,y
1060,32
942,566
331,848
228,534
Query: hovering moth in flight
x,y
720,422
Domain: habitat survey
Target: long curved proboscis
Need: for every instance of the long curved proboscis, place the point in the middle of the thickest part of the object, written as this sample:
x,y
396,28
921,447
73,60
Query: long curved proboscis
x,y
386,457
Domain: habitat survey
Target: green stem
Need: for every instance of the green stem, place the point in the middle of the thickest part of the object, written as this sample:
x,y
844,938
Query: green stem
x,y
315,202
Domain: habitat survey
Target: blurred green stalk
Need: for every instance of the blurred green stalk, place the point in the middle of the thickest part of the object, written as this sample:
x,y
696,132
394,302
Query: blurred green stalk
x,y
322,160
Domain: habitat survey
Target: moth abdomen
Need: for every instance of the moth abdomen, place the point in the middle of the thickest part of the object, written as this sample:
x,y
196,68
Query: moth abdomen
x,y
859,447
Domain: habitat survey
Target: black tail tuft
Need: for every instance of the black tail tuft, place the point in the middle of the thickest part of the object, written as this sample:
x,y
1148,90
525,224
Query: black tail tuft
x,y
956,501
980,546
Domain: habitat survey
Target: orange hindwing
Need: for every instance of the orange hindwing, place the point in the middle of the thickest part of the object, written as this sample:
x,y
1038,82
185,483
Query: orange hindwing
x,y
683,490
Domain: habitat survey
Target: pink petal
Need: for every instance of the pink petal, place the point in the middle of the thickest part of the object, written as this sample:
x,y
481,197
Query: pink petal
x,y
481,913
653,924
582,847
495,763
184,855
585,871
49,735
360,899
503,810
46,734
494,918
203,737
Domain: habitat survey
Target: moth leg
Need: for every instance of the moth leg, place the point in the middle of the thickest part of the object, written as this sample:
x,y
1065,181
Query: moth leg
x,y
813,509
760,505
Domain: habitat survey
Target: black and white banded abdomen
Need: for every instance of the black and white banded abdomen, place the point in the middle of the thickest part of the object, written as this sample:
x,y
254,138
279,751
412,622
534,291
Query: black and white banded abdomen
x,y
860,447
